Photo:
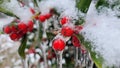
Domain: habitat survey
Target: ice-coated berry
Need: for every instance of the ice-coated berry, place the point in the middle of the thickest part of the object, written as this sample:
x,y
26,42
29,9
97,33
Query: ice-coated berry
x,y
67,31
58,44
64,20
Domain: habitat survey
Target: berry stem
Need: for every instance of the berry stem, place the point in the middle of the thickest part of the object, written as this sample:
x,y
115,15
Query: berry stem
x,y
59,59
76,57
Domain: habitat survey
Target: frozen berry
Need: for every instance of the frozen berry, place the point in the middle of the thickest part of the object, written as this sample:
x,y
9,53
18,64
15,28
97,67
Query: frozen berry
x,y
48,15
64,20
58,44
32,10
30,25
22,26
7,29
14,36
42,18
76,41
67,31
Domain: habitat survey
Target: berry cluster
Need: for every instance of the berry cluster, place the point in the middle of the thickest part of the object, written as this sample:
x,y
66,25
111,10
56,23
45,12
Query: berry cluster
x,y
18,30
42,18
67,31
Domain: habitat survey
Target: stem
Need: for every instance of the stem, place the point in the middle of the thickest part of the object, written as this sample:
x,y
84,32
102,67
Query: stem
x,y
59,59
76,57
45,59
24,63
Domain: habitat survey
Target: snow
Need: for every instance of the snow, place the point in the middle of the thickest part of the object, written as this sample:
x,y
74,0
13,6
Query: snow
x,y
5,21
103,31
22,12
64,7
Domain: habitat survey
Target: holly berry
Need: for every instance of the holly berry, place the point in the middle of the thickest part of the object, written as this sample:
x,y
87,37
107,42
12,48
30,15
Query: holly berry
x,y
64,20
7,29
22,26
76,41
14,36
48,15
67,31
30,26
58,44
32,10
42,18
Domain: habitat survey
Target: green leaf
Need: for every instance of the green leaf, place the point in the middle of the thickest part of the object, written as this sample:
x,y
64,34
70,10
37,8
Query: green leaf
x,y
22,47
83,5
7,12
97,60
35,3
102,3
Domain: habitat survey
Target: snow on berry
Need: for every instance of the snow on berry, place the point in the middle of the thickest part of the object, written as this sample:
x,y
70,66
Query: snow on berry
x,y
58,44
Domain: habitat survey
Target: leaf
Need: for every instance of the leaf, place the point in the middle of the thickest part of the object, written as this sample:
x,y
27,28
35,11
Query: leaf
x,y
102,3
97,60
35,3
22,47
5,11
83,5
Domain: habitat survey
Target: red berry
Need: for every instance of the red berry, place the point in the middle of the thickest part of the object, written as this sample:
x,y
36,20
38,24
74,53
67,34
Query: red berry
x,y
67,31
14,36
64,20
58,44
32,10
76,41
7,29
48,15
22,26
30,26
42,18
14,28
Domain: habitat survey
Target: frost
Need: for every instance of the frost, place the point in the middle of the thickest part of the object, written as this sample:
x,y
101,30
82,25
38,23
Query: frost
x,y
103,30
